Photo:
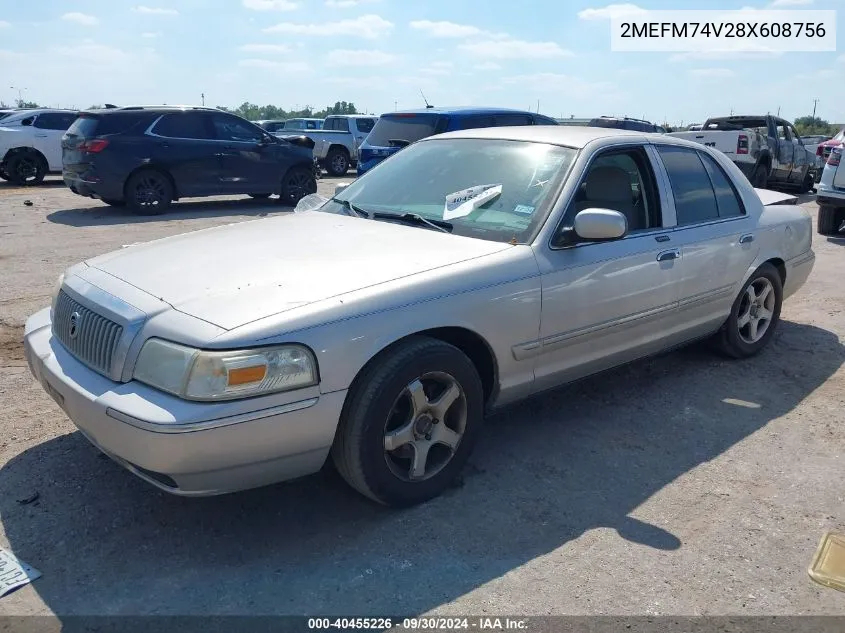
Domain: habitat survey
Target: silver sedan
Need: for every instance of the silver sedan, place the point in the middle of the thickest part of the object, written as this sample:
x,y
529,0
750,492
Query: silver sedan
x,y
468,271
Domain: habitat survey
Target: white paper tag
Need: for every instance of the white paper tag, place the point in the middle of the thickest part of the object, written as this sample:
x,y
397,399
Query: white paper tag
x,y
14,572
466,201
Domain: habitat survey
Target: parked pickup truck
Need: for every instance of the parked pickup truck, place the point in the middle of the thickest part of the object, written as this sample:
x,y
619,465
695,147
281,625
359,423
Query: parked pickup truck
x,y
336,145
767,149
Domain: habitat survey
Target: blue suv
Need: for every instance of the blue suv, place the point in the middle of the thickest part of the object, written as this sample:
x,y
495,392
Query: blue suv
x,y
395,130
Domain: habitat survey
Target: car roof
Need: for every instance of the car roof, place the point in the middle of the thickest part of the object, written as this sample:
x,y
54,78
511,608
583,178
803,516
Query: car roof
x,y
569,136
462,110
150,108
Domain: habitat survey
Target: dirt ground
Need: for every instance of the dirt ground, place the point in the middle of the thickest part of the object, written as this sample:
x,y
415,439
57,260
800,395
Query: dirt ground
x,y
683,485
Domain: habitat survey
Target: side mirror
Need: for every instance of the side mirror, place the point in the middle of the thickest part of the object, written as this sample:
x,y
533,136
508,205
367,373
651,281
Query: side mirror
x,y
28,121
339,188
600,224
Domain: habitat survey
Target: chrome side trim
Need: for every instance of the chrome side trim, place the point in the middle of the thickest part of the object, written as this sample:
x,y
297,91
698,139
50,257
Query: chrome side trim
x,y
704,297
530,349
206,425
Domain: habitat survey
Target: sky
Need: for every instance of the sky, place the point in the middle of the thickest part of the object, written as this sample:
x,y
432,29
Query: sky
x,y
379,54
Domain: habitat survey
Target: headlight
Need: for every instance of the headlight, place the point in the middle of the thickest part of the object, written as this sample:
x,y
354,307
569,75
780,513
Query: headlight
x,y
195,374
56,290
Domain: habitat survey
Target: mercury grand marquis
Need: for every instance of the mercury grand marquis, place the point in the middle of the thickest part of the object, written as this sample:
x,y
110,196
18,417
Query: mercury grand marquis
x,y
471,270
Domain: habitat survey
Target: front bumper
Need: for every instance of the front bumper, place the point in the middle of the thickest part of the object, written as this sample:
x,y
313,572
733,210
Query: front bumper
x,y
140,428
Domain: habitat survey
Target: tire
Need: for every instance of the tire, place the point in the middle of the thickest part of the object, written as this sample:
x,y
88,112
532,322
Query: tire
x,y
380,407
3,175
337,162
260,196
760,179
26,168
830,219
740,336
807,183
296,184
149,192
113,202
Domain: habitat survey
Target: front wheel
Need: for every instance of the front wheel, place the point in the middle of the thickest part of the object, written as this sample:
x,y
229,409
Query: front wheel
x,y
149,192
754,315
410,423
296,184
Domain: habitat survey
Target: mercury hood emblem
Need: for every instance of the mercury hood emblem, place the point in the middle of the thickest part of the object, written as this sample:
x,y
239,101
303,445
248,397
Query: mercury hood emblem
x,y
75,319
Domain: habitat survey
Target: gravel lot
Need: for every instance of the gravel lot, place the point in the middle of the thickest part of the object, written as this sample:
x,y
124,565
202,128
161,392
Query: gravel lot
x,y
685,484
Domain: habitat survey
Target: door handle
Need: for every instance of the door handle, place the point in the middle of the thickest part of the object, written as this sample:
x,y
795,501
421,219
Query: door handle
x,y
746,239
665,256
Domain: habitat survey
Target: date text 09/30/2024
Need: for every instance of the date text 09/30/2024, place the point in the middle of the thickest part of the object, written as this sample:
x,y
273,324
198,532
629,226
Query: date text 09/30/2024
x,y
420,624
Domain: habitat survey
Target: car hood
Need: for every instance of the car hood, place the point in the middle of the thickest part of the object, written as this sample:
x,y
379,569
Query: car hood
x,y
235,274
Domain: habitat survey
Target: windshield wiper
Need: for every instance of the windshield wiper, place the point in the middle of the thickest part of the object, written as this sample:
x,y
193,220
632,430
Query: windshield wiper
x,y
351,207
416,219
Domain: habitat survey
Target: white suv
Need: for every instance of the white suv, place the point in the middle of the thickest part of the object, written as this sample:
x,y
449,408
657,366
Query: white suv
x,y
31,144
831,194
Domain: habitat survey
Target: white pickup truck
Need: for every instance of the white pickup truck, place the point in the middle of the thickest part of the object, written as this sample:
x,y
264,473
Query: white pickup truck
x,y
336,145
767,149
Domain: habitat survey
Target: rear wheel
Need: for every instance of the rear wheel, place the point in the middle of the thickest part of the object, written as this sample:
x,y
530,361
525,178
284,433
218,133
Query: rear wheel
x,y
296,184
149,192
760,179
337,162
26,168
830,219
754,315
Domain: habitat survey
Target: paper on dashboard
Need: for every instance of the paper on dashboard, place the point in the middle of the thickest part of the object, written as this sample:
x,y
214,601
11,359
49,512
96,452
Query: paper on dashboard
x,y
464,202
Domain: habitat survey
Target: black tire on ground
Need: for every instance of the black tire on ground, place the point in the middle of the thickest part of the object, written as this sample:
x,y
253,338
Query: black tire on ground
x,y
381,404
760,179
26,168
830,219
337,162
807,183
149,192
4,175
113,202
260,196
296,184
736,339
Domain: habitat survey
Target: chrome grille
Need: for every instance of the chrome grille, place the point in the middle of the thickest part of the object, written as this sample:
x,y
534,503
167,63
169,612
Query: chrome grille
x,y
91,338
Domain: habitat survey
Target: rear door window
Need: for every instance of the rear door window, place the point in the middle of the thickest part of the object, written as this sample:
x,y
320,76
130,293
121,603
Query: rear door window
x,y
405,128
727,199
190,125
695,200
55,120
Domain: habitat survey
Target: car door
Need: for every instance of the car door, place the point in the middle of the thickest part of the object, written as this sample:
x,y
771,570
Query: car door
x,y
184,145
248,163
714,232
48,129
800,157
606,303
785,152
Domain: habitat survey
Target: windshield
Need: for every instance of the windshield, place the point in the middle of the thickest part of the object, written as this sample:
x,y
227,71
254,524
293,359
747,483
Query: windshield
x,y
491,189
407,128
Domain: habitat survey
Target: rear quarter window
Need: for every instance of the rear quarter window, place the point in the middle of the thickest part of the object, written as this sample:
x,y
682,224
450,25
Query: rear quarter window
x,y
93,125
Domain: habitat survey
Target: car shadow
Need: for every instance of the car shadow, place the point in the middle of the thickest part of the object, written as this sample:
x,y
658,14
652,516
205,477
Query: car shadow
x,y
545,472
837,240
5,185
102,214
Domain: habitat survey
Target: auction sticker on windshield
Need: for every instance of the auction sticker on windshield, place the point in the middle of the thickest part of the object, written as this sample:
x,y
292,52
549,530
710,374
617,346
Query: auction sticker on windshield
x,y
462,203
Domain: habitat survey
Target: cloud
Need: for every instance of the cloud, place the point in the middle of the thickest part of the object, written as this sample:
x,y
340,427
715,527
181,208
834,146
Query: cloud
x,y
789,3
346,4
263,49
343,57
712,73
841,59
515,49
564,84
80,18
270,5
150,35
744,55
438,68
268,64
611,11
145,10
445,29
487,66
91,53
367,26
4,24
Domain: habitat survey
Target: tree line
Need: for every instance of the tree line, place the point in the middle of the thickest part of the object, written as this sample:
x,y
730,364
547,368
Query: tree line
x,y
254,112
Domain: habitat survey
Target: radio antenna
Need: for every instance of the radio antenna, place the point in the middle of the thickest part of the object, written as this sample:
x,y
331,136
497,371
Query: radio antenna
x,y
427,104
